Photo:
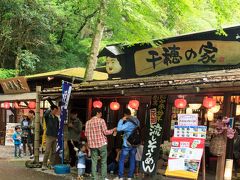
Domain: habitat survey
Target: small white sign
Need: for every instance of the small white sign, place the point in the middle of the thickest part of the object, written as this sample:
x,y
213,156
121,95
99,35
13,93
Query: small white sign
x,y
187,119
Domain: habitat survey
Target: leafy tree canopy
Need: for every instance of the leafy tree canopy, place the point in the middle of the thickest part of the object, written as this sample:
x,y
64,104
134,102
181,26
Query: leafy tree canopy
x,y
45,35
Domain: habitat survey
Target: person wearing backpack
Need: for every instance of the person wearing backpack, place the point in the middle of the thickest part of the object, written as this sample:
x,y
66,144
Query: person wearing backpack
x,y
129,125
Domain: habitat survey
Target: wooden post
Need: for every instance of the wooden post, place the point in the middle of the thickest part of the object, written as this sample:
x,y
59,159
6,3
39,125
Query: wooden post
x,y
89,108
203,166
37,125
221,159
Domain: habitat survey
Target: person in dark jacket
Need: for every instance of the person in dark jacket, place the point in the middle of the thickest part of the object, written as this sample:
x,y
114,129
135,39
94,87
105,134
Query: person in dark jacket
x,y
74,132
52,124
26,135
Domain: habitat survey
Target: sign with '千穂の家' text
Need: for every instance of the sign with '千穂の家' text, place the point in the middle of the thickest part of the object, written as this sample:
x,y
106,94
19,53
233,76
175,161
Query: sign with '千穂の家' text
x,y
196,52
210,52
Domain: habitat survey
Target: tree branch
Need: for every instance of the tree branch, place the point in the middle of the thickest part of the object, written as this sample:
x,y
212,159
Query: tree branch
x,y
85,22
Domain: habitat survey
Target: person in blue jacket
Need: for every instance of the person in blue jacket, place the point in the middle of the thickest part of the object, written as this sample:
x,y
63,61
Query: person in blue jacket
x,y
17,141
126,126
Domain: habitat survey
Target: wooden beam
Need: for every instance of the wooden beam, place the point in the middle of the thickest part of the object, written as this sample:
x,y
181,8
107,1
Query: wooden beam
x,y
18,97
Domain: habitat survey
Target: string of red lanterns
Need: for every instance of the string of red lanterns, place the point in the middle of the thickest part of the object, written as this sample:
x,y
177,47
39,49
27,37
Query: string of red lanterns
x,y
208,102
134,104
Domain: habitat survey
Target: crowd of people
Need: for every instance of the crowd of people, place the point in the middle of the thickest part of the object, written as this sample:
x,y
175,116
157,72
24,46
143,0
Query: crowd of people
x,y
88,148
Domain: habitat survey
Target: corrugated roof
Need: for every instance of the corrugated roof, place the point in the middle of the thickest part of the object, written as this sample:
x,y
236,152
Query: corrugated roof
x,y
71,72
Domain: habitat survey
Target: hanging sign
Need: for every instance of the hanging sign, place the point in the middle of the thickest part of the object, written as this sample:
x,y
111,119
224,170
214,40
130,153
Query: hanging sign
x,y
185,53
15,85
153,139
66,92
196,52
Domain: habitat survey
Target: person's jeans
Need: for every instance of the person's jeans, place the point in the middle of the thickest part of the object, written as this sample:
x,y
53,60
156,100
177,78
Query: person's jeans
x,y
112,167
51,143
27,141
124,152
17,151
81,171
94,157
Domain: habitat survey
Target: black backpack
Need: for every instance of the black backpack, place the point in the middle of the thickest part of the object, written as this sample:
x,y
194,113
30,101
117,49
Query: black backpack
x,y
135,138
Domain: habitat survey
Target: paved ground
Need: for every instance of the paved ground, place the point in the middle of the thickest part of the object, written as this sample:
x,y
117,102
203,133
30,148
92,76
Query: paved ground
x,y
14,169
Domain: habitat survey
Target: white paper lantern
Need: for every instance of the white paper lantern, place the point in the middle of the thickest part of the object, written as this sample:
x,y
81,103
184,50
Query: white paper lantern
x,y
215,109
195,106
189,111
210,116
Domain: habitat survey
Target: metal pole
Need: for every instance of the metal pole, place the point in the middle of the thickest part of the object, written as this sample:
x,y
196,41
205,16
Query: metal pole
x,y
37,125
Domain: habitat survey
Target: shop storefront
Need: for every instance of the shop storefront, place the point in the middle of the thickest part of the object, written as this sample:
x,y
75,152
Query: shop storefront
x,y
190,74
18,96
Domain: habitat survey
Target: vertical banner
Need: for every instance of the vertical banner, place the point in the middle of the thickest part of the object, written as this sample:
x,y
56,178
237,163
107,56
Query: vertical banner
x,y
66,92
153,139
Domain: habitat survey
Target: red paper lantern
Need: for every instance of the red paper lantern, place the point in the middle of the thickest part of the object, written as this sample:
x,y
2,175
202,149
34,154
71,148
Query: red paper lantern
x,y
32,105
97,104
134,104
180,103
114,106
209,102
16,106
6,105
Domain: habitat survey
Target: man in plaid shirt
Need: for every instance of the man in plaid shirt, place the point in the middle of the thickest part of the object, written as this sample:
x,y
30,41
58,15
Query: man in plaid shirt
x,y
96,131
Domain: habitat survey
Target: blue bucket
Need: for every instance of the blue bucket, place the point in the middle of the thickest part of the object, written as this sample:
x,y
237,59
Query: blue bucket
x,y
62,169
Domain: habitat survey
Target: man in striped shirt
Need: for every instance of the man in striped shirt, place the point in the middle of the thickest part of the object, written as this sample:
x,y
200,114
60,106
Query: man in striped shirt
x,y
96,132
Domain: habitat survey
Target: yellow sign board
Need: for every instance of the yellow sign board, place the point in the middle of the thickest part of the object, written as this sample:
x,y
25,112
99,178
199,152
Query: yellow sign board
x,y
204,52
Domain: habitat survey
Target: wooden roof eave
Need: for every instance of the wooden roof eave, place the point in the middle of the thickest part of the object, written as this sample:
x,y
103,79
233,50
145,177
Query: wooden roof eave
x,y
179,82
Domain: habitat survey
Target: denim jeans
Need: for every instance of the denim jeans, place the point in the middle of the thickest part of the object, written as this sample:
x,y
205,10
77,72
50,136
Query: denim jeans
x,y
81,171
131,151
112,167
17,151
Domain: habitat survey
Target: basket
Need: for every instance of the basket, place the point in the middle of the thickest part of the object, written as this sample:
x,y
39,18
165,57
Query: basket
x,y
217,145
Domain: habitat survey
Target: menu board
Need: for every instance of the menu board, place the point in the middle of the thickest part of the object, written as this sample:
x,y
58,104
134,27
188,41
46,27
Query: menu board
x,y
186,152
10,129
190,131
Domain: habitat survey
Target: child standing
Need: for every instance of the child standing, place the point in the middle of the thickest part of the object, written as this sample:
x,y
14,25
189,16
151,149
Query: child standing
x,y
17,141
139,159
81,161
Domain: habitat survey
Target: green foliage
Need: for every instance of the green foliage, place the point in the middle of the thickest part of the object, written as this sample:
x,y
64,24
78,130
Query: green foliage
x,y
28,62
7,73
56,34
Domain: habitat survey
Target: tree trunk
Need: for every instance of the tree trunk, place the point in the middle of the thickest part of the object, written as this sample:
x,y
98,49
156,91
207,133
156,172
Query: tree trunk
x,y
17,65
92,59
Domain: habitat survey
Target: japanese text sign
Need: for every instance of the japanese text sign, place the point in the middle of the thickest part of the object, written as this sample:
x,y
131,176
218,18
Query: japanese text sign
x,y
15,85
187,119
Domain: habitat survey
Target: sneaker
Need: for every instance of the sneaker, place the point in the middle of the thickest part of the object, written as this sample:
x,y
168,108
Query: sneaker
x,y
129,178
44,168
117,178
31,156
